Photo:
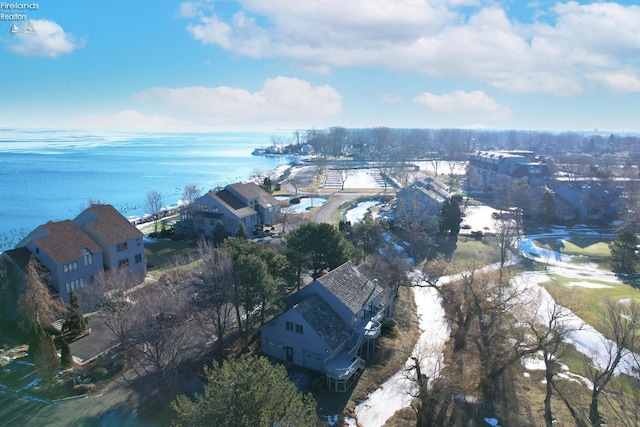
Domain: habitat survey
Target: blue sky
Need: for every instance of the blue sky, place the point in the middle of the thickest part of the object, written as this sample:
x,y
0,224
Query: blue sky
x,y
282,64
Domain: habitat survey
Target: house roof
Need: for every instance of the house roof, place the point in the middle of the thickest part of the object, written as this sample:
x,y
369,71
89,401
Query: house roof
x,y
110,225
65,241
250,190
353,286
232,203
19,256
324,320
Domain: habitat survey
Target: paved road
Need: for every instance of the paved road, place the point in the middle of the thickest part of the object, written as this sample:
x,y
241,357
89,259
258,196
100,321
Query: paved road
x,y
325,214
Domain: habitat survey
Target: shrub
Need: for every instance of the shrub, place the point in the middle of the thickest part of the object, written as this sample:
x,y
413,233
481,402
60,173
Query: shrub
x,y
84,388
295,201
120,365
100,372
388,328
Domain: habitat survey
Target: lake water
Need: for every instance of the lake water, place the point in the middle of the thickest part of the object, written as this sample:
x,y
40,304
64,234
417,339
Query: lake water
x,y
51,175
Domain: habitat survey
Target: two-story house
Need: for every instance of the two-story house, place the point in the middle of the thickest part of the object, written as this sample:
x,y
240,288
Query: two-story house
x,y
120,241
491,165
71,256
331,324
241,203
267,206
75,251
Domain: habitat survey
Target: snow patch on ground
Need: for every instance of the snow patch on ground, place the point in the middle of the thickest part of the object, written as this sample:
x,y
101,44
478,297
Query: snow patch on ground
x,y
395,393
357,214
589,285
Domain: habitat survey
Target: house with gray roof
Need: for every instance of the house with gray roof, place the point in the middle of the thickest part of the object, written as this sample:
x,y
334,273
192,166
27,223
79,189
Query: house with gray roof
x,y
241,203
517,164
332,324
268,207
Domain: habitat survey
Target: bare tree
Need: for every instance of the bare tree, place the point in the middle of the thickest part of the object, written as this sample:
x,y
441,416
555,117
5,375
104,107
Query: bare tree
x,y
417,216
162,337
153,205
214,291
432,389
110,296
37,304
506,233
343,174
190,193
621,323
550,325
473,180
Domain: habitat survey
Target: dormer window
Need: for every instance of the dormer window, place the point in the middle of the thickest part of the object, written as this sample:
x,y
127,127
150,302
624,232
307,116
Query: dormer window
x,y
88,256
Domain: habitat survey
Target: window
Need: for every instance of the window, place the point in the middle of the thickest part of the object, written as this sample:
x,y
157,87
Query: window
x,y
88,256
123,263
231,222
74,284
138,241
121,246
71,266
138,258
202,207
289,326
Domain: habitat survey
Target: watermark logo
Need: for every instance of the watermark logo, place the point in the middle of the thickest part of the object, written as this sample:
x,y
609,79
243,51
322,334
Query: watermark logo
x,y
18,13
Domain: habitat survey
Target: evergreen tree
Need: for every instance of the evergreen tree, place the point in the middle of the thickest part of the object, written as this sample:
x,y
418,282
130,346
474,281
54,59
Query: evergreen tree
x,y
451,216
623,251
547,207
241,232
246,392
219,233
43,352
66,359
316,248
74,322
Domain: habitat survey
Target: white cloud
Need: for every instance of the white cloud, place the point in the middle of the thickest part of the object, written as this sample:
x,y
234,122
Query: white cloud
x,y
129,119
475,105
616,82
281,99
43,38
437,38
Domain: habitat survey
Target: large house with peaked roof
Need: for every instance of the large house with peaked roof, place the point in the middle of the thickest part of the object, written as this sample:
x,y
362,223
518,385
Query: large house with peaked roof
x,y
240,203
120,241
75,251
332,324
70,255
517,164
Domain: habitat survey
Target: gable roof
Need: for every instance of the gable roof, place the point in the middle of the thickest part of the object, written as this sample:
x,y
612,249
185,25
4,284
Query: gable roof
x,y
232,203
324,320
250,190
65,241
110,225
352,286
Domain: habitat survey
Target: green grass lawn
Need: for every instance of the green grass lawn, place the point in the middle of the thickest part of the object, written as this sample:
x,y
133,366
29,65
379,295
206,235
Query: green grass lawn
x,y
160,253
583,246
588,303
